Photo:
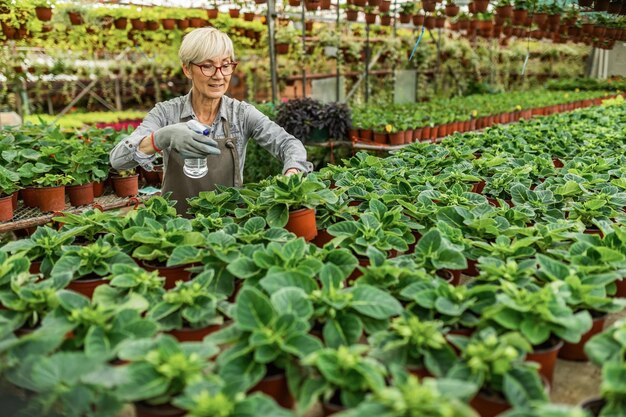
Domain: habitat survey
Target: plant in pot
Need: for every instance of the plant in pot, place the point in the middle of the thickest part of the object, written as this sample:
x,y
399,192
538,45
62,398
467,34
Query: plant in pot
x,y
125,182
417,345
87,266
407,396
43,248
96,327
290,202
9,181
26,301
336,118
613,398
436,254
85,171
495,363
285,37
153,243
189,311
380,227
211,397
126,282
51,191
542,316
341,377
160,370
93,223
300,116
266,336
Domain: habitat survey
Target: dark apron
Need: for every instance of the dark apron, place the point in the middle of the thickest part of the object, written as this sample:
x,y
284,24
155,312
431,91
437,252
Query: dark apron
x,y
223,170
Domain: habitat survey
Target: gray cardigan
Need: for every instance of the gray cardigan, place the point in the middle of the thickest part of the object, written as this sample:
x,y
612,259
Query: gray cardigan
x,y
245,120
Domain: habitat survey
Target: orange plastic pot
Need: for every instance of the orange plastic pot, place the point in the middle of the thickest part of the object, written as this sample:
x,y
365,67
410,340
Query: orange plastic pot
x,y
576,351
489,404
81,195
98,189
51,198
126,186
86,286
188,334
322,238
275,386
172,274
29,196
302,223
6,208
621,288
14,200
546,358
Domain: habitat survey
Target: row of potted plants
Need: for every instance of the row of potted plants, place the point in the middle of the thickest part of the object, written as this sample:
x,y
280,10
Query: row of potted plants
x,y
335,321
442,117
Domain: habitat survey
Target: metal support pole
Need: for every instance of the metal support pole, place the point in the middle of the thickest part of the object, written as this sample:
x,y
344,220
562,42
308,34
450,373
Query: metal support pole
x,y
367,62
303,49
395,18
337,58
271,31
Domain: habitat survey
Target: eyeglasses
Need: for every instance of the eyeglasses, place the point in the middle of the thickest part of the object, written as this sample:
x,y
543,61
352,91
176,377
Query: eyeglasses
x,y
209,70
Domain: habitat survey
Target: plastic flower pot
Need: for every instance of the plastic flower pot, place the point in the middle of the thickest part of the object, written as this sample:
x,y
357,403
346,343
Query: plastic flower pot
x,y
575,351
86,285
332,406
418,19
212,13
545,355
50,198
275,386
189,334
44,13
98,189
14,200
6,208
322,238
302,223
621,288
471,270
419,371
172,274
126,186
396,138
489,404
81,195
450,276
29,196
143,409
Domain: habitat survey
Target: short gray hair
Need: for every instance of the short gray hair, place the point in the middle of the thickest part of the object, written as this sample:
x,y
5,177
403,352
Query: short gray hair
x,y
205,43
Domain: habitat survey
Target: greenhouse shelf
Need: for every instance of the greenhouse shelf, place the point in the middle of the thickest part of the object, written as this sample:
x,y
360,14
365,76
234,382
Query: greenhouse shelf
x,y
25,217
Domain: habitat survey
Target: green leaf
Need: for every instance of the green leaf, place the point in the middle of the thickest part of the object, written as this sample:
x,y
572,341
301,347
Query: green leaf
x,y
374,303
278,215
344,330
253,310
292,300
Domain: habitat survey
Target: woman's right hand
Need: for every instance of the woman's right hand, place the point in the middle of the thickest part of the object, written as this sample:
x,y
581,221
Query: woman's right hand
x,y
185,141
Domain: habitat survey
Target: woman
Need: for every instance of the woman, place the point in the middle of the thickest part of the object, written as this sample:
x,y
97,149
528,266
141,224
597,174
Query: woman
x,y
208,60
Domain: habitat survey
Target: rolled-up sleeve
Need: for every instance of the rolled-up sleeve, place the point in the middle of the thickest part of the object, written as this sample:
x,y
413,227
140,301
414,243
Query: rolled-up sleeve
x,y
274,139
126,154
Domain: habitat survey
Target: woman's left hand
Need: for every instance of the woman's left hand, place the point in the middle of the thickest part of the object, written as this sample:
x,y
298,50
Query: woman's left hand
x,y
291,171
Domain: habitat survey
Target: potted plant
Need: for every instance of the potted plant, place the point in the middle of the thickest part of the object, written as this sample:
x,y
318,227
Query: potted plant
x,y
189,311
336,119
159,370
542,316
9,181
127,280
51,193
84,171
341,376
495,363
87,266
212,396
290,203
417,345
43,8
267,334
125,182
437,398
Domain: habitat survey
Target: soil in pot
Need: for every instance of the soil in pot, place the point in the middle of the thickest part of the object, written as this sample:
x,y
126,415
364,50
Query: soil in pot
x,y
275,385
545,355
172,274
302,223
575,351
